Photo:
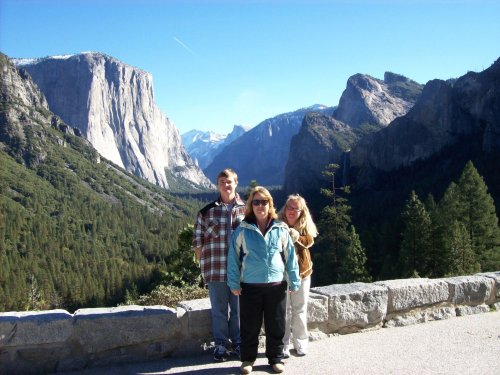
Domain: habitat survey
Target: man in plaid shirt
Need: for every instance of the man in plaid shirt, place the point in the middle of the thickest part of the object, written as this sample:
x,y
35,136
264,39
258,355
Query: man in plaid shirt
x,y
212,235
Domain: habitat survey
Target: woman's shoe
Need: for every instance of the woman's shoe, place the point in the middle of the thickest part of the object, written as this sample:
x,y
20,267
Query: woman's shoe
x,y
278,367
246,367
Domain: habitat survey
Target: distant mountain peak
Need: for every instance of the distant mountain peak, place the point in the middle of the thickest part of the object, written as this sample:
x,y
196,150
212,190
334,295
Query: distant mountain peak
x,y
204,146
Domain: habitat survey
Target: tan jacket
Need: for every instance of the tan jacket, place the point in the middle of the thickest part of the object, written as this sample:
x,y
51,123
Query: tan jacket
x,y
302,246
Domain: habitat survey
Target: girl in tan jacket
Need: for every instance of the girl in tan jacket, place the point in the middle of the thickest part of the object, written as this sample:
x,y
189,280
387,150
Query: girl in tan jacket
x,y
302,230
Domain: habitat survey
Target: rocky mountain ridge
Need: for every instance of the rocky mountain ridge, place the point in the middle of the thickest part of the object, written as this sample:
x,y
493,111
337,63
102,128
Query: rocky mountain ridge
x,y
446,112
112,104
23,107
261,153
366,105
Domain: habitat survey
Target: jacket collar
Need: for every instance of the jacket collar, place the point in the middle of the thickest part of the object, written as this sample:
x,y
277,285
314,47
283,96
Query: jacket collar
x,y
253,224
237,200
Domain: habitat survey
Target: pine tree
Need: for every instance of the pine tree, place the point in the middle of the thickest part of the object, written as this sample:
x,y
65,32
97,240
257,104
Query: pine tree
x,y
340,256
184,270
463,258
414,255
251,185
353,268
477,213
439,256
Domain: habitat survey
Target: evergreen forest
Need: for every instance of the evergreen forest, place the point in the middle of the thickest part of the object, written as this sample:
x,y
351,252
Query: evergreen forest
x,y
457,235
75,233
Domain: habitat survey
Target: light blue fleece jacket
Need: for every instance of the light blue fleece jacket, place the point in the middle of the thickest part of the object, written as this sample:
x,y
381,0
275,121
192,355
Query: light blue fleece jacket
x,y
255,259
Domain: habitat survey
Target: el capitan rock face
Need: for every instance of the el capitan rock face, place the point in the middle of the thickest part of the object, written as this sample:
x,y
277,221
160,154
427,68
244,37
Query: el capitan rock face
x,y
112,104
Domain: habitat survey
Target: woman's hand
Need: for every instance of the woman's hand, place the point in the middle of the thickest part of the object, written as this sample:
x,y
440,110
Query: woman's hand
x,y
294,234
236,292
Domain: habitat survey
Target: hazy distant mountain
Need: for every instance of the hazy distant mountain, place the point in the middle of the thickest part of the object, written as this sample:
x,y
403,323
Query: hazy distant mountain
x,y
113,106
204,146
261,153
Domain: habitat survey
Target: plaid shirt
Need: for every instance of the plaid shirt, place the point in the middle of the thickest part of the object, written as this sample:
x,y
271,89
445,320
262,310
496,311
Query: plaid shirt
x,y
211,234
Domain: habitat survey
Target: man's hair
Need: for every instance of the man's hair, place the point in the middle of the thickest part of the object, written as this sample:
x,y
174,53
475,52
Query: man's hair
x,y
228,172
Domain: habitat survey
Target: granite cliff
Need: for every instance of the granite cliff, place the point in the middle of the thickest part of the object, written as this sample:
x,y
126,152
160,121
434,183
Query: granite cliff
x,y
23,109
321,140
446,113
366,106
367,100
112,104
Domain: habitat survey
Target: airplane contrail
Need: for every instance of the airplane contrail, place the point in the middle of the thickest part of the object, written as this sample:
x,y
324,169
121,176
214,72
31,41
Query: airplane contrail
x,y
183,45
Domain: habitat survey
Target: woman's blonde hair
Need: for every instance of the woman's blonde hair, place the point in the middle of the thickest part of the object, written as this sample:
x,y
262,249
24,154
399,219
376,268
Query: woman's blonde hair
x,y
249,215
305,223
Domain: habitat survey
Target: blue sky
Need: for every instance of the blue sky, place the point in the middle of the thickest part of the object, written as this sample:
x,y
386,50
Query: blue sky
x,y
220,63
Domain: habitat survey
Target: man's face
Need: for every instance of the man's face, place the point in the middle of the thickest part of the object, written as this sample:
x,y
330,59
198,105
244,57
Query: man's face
x,y
227,188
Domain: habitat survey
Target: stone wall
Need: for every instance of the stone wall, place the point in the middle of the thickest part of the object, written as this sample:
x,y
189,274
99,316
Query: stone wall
x,y
56,341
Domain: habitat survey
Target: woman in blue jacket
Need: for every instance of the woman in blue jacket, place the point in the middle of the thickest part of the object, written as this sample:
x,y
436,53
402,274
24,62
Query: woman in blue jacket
x,y
261,262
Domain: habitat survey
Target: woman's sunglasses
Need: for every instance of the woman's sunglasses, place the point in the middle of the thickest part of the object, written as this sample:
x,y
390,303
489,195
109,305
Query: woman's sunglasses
x,y
260,202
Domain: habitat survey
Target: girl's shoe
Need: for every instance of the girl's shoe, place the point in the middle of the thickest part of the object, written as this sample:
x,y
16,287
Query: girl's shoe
x,y
286,352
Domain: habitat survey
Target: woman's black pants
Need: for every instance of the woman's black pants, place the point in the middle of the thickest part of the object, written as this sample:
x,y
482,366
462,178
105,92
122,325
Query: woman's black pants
x,y
257,303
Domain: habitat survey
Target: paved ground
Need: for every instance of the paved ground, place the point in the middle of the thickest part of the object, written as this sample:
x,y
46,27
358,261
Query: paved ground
x,y
458,346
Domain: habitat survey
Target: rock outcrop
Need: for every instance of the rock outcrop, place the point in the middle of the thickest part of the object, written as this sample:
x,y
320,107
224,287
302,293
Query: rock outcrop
x,y
321,140
23,113
367,100
366,105
112,104
445,112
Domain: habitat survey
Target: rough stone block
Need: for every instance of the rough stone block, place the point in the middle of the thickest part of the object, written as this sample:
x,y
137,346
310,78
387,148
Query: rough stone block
x,y
405,294
355,306
318,335
317,308
495,276
104,329
470,290
419,316
196,317
35,327
441,313
470,310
